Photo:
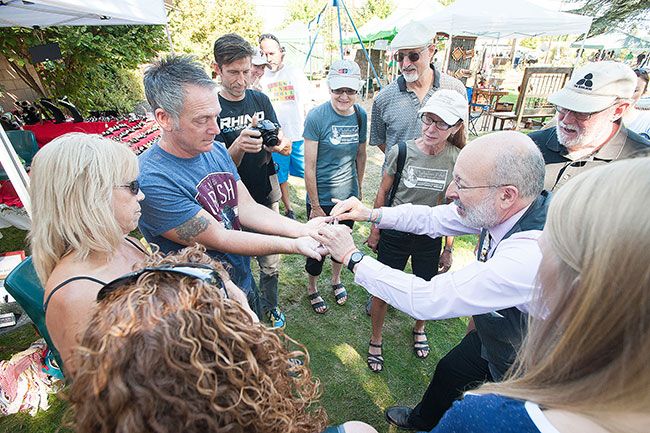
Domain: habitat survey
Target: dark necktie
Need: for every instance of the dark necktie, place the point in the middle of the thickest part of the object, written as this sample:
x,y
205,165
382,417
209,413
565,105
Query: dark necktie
x,y
485,245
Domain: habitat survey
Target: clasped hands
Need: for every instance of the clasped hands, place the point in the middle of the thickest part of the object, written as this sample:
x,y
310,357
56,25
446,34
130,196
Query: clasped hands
x,y
336,239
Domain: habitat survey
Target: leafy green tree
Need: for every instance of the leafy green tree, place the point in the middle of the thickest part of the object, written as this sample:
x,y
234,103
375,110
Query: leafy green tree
x,y
94,70
612,14
196,24
374,8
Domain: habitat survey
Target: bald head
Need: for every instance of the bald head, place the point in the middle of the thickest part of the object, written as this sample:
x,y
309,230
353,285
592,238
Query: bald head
x,y
507,158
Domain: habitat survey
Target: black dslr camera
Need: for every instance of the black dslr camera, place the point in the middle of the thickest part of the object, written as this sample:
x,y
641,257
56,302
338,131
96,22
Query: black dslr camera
x,y
269,131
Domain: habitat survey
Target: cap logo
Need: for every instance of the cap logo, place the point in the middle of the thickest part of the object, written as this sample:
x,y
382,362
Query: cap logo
x,y
586,82
343,71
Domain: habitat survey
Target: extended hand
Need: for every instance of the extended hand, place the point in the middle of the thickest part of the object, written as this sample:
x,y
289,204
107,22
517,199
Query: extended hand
x,y
314,224
350,209
337,238
309,247
316,212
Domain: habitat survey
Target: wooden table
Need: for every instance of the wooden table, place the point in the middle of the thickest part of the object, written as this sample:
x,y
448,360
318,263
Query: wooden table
x,y
492,96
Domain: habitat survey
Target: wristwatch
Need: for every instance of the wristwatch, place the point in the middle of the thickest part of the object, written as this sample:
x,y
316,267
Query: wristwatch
x,y
354,259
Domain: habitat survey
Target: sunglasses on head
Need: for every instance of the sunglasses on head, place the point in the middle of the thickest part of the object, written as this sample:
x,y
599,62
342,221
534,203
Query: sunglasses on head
x,y
349,92
133,186
413,56
205,273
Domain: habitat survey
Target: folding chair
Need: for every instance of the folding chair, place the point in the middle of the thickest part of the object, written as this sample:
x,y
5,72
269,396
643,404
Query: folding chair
x,y
474,115
25,145
25,287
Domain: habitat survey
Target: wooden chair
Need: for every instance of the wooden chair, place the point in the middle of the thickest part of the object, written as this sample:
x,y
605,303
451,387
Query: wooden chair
x,y
536,86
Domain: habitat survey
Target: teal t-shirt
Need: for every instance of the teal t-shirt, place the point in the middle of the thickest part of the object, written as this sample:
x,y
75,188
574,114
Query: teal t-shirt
x,y
339,138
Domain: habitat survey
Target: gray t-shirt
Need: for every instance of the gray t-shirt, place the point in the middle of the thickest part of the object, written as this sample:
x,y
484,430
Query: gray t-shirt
x,y
338,140
425,178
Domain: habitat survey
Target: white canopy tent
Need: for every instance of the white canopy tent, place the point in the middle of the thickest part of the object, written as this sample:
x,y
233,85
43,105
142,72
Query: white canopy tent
x,y
504,19
47,13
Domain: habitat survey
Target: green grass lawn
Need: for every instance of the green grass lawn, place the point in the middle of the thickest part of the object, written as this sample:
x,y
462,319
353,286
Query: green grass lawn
x,y
337,341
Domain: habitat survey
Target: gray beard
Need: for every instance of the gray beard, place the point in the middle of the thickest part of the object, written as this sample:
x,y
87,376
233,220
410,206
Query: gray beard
x,y
411,78
482,215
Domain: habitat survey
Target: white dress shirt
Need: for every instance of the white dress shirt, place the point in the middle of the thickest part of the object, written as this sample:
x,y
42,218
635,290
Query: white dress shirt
x,y
505,280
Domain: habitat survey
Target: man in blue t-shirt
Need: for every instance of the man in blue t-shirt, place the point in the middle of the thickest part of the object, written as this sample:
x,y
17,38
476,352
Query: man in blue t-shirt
x,y
193,193
242,108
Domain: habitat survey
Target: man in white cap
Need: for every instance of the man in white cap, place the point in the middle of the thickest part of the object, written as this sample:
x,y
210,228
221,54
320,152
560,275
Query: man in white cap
x,y
496,190
589,130
258,67
395,109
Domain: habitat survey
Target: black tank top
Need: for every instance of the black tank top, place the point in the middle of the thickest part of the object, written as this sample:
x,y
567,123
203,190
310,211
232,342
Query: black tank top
x,y
84,277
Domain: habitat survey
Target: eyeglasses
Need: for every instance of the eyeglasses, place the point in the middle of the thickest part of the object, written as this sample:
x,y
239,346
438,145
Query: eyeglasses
x,y
440,124
461,187
133,186
413,56
578,115
199,271
349,92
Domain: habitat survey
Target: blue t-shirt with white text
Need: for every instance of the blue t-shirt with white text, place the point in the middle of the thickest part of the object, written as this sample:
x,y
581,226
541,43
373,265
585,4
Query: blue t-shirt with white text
x,y
176,189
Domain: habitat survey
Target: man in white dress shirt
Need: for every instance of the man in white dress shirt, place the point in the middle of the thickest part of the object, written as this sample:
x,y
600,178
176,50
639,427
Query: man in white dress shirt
x,y
497,192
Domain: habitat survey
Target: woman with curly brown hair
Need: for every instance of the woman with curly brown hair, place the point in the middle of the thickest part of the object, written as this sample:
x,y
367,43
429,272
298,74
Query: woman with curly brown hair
x,y
167,350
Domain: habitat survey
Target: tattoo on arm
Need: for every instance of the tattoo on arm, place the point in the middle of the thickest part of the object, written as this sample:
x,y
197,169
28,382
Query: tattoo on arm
x,y
192,228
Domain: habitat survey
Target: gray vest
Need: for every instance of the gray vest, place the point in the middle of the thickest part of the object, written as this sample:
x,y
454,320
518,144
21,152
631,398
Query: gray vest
x,y
501,332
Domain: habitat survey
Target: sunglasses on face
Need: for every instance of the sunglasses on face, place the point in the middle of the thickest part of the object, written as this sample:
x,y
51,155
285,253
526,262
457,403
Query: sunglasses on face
x,y
198,271
413,56
133,186
642,72
440,124
349,92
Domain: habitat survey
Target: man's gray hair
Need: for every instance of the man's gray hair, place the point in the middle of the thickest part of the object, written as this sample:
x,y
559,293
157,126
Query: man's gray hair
x,y
165,81
520,164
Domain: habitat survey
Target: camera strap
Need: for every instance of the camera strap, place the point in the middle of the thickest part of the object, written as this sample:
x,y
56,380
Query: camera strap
x,y
358,114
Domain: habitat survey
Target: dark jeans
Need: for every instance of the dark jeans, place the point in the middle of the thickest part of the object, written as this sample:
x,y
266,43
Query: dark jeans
x,y
458,371
315,267
396,247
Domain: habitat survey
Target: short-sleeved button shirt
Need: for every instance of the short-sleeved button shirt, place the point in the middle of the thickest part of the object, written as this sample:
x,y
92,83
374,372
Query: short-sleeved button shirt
x,y
395,109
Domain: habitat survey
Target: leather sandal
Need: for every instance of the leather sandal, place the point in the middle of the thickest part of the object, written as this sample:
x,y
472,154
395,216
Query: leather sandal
x,y
340,294
375,360
317,305
420,346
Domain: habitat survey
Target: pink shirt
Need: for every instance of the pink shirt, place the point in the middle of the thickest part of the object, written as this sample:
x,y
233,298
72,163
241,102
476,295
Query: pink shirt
x,y
505,280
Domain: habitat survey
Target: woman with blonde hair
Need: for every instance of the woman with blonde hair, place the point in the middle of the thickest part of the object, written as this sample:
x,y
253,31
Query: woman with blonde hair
x,y
168,351
584,364
85,200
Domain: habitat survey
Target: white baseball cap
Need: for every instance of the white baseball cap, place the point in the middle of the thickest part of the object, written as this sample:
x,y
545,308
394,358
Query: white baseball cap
x,y
596,86
412,35
447,104
344,73
258,59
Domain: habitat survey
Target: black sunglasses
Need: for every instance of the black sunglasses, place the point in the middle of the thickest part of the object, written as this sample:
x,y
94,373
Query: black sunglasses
x,y
349,92
440,124
642,72
413,56
199,271
133,186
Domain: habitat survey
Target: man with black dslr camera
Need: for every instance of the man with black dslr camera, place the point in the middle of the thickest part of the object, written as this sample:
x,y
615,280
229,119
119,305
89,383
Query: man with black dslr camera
x,y
250,132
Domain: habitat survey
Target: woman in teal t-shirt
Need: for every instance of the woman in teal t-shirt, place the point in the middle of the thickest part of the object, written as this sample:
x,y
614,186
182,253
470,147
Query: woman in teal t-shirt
x,y
335,159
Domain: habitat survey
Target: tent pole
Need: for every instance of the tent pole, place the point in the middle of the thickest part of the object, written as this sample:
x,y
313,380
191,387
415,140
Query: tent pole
x,y
363,47
15,170
445,64
169,39
582,47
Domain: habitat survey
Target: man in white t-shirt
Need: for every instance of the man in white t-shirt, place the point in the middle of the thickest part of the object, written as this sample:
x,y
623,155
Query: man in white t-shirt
x,y
288,89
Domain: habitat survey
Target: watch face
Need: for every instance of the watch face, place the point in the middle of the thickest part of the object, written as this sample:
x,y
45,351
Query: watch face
x,y
356,256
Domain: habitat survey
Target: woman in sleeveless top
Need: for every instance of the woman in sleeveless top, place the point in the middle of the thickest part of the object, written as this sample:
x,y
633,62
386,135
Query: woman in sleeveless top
x,y
584,364
85,200
170,352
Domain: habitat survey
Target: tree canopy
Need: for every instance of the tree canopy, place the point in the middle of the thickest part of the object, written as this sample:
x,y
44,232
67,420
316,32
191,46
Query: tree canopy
x,y
94,70
612,14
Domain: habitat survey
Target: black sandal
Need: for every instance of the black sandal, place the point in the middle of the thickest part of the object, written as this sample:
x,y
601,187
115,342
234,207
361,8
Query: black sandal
x,y
375,360
421,346
318,304
340,293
